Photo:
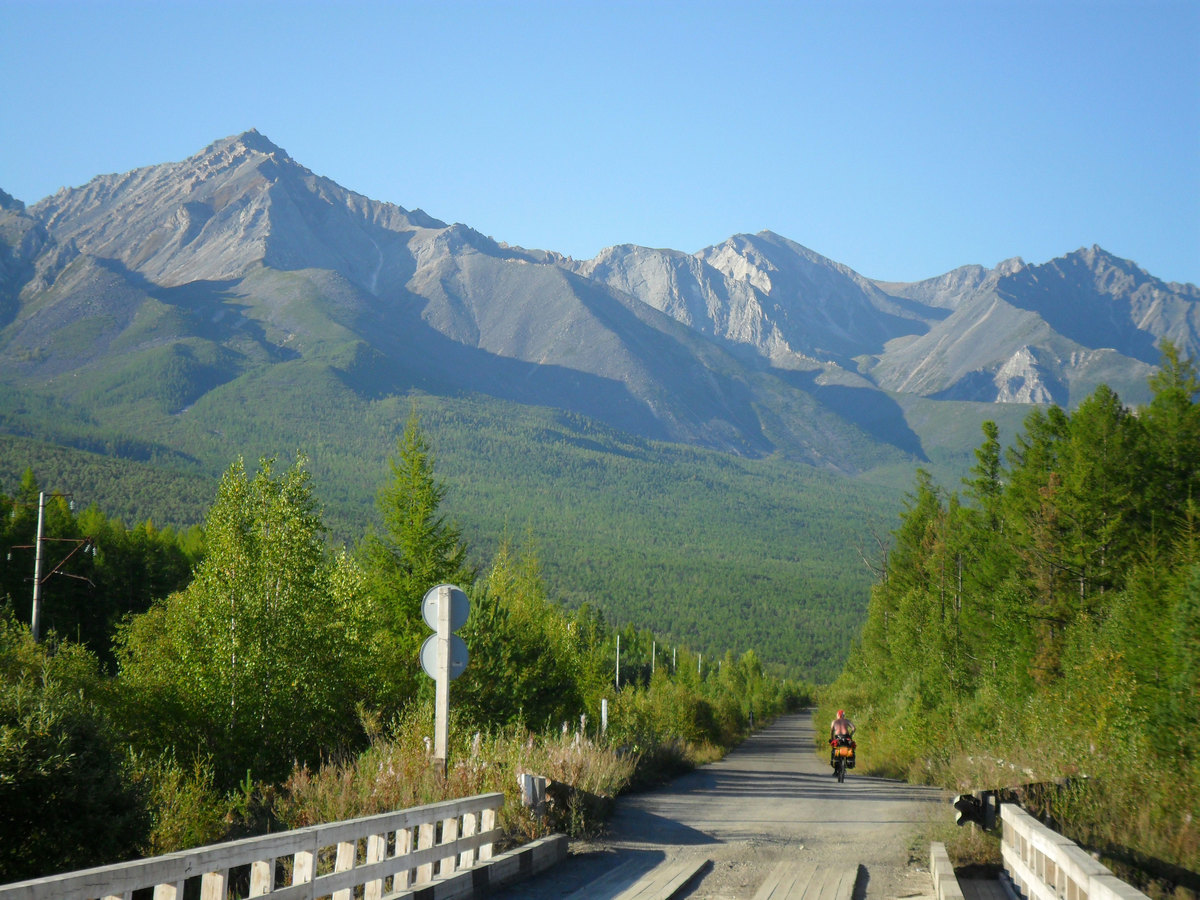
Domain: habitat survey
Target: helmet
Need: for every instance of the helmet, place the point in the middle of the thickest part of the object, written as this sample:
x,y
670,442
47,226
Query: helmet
x,y
841,714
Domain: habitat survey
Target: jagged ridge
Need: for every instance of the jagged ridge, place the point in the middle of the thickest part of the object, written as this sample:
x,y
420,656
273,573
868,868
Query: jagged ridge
x,y
242,257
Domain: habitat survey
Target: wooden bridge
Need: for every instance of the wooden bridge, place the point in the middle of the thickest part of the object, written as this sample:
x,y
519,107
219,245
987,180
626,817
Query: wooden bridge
x,y
445,850
394,855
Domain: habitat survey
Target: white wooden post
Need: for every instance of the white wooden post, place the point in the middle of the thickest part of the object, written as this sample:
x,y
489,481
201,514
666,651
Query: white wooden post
x,y
262,877
404,846
212,885
449,836
303,869
344,863
376,851
470,825
488,823
425,839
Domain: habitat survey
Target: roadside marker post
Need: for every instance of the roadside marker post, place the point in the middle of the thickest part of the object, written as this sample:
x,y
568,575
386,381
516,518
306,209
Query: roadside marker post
x,y
443,655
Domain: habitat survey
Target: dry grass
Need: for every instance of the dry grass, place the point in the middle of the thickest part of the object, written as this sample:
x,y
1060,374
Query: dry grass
x,y
399,771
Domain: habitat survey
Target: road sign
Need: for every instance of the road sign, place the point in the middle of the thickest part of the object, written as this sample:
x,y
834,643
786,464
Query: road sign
x,y
460,607
443,655
458,656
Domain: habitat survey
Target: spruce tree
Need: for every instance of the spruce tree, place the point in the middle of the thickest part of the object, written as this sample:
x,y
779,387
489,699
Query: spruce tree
x,y
416,549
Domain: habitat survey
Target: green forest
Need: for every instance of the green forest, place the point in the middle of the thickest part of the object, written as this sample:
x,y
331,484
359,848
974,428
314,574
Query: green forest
x,y
692,544
1040,627
202,684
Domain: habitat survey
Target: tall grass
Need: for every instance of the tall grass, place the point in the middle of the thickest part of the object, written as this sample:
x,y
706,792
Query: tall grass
x,y
398,771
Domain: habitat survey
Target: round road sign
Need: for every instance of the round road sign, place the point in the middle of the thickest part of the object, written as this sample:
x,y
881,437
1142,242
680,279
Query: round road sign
x,y
458,656
460,607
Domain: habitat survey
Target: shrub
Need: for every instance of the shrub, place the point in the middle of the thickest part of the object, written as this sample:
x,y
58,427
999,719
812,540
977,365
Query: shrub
x,y
63,785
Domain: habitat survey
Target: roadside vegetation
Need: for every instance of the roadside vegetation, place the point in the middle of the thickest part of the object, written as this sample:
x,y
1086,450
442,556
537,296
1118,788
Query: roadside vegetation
x,y
1040,630
202,685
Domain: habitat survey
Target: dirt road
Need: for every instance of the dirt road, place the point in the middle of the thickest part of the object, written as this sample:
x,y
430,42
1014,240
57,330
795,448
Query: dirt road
x,y
771,799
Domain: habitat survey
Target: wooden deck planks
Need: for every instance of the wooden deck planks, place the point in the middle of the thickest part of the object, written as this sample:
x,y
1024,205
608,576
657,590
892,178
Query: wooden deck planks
x,y
629,882
664,881
792,880
983,889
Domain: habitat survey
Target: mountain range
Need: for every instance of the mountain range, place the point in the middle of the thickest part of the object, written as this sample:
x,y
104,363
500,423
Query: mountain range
x,y
239,257
236,302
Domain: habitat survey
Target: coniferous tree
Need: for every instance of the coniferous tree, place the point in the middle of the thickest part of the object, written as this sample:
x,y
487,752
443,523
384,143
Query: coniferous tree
x,y
1172,446
525,655
416,549
1076,614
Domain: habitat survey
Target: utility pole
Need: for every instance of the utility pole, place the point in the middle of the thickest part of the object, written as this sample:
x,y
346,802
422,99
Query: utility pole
x,y
618,662
35,623
35,617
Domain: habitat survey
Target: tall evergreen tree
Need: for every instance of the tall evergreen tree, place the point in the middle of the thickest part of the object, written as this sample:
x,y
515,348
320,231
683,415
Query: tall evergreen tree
x,y
416,549
1172,449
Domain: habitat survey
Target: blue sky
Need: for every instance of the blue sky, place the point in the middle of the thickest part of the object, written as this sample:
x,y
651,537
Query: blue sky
x,y
900,138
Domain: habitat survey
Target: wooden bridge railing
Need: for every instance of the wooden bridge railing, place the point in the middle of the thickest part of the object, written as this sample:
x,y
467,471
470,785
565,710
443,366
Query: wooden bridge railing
x,y
1044,865
382,854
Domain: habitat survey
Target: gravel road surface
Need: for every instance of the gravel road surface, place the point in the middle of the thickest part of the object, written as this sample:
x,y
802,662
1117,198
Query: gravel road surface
x,y
771,799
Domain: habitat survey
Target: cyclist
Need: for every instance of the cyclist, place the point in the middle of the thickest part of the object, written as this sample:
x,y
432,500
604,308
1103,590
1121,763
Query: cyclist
x,y
840,727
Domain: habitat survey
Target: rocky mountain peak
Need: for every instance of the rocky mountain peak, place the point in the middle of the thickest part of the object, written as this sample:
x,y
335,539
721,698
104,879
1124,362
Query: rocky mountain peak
x,y
238,203
1009,266
256,140
250,147
10,203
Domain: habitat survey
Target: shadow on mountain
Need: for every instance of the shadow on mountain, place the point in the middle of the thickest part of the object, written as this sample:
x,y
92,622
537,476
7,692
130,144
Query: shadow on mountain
x,y
416,355
1081,313
871,410
720,409
683,401
920,314
215,313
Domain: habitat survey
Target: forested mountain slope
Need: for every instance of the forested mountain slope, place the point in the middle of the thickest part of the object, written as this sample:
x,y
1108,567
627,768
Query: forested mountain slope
x,y
236,303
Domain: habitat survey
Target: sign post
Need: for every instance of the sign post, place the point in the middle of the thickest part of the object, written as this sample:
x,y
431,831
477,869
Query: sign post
x,y
443,655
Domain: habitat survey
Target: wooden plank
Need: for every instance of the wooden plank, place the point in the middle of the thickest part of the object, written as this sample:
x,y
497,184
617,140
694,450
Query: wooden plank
x,y
612,882
376,853
785,880
839,883
470,823
796,880
447,864
346,851
983,889
631,881
262,877
664,881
